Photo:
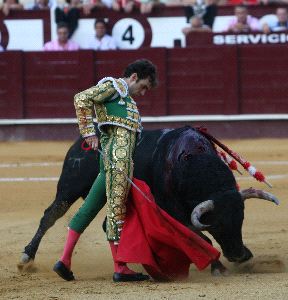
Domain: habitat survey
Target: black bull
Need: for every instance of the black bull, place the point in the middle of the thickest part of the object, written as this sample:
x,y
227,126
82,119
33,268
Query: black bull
x,y
187,178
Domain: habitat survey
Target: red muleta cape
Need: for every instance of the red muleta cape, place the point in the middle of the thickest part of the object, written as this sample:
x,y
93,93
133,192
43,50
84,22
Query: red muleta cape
x,y
165,247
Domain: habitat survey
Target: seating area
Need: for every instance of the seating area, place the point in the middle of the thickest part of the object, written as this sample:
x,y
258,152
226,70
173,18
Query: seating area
x,y
161,28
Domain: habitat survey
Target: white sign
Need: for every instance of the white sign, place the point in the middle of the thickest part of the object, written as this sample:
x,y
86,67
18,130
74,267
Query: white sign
x,y
254,39
167,29
25,35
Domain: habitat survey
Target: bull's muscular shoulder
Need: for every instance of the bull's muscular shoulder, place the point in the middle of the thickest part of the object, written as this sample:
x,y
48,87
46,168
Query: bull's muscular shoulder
x,y
118,84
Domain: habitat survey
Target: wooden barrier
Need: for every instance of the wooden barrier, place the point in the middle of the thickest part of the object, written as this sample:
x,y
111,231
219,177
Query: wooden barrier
x,y
263,75
202,81
52,79
192,81
11,85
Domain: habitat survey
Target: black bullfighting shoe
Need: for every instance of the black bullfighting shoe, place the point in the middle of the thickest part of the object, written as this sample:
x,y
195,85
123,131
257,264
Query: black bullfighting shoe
x,y
63,271
120,277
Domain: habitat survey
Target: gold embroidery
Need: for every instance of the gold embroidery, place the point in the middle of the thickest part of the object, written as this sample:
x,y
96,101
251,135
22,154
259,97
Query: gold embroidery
x,y
120,152
122,141
118,191
84,105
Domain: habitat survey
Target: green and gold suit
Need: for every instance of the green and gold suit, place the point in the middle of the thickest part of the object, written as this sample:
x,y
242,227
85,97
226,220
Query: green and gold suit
x,y
118,121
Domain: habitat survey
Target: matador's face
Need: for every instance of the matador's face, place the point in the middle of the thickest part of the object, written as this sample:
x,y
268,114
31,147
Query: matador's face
x,y
138,87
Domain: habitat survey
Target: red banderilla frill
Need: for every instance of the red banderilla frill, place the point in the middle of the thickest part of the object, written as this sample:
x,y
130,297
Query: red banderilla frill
x,y
244,163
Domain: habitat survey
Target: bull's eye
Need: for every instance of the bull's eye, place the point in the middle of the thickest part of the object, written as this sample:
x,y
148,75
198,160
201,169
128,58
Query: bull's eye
x,y
187,157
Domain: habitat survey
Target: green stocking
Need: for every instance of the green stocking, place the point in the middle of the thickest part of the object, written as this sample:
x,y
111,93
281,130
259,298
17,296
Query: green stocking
x,y
94,202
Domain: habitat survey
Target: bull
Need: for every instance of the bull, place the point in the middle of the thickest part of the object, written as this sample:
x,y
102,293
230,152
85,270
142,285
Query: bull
x,y
187,178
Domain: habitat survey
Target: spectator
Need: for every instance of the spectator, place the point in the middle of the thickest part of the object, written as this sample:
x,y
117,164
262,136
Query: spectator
x,y
41,4
196,25
102,40
62,43
9,5
92,5
146,6
281,24
244,2
69,14
205,9
125,5
242,22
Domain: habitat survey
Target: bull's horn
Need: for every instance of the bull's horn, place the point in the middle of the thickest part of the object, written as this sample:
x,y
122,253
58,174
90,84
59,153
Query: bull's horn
x,y
253,193
198,211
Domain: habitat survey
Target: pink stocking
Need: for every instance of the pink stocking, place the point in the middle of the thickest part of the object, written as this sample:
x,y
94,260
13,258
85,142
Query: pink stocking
x,y
119,267
71,241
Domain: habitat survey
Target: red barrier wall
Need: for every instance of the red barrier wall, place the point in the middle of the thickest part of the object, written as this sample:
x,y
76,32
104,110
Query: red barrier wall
x,y
198,80
263,76
52,79
11,85
202,80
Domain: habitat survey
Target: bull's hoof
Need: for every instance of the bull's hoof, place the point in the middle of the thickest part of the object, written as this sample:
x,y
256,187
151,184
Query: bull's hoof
x,y
25,262
220,272
218,269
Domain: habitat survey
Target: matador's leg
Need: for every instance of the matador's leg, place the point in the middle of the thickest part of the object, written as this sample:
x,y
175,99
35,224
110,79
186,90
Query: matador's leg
x,y
119,165
93,203
120,150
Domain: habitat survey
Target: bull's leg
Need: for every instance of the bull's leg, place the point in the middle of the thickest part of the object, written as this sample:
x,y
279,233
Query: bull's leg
x,y
79,171
65,197
54,212
217,268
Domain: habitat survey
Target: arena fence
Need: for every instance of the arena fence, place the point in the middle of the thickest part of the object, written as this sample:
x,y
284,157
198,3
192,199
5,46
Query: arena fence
x,y
204,80
223,126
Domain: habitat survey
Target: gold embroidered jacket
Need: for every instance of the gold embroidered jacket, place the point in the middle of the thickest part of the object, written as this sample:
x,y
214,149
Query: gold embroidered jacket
x,y
112,104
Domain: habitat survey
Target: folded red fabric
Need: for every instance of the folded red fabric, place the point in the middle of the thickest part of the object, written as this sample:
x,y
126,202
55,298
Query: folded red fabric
x,y
165,247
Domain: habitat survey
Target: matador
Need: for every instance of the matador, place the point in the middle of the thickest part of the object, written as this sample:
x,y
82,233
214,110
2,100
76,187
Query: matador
x,y
119,124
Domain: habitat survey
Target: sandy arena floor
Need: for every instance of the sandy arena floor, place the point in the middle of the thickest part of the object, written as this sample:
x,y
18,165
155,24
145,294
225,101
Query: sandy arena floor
x,y
23,202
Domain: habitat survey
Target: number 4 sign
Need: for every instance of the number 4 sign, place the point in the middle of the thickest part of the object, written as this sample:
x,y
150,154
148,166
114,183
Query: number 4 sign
x,y
128,33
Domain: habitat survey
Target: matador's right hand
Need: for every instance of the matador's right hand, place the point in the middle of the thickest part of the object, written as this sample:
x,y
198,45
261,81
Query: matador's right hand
x,y
92,141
